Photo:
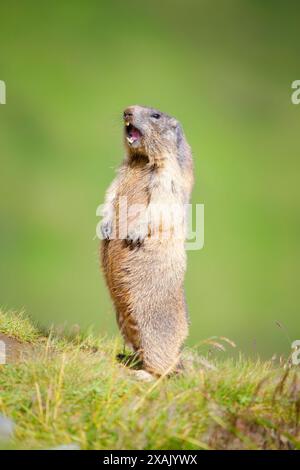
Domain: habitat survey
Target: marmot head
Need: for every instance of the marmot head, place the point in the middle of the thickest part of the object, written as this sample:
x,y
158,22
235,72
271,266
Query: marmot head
x,y
154,135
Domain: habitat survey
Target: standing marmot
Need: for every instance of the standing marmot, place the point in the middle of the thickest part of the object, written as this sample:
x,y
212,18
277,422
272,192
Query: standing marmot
x,y
144,269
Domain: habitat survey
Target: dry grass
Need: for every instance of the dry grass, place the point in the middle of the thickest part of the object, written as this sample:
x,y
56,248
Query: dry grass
x,y
73,390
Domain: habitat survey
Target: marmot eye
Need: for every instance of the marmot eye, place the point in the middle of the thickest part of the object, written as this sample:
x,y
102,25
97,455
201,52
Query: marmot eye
x,y
155,115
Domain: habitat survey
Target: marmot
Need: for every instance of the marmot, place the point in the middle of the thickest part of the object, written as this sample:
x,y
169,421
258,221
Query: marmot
x,y
145,272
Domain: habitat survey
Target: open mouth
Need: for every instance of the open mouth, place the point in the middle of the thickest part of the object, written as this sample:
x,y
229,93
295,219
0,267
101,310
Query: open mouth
x,y
132,133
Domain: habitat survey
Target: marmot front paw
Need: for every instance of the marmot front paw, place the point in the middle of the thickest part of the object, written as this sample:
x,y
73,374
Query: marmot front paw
x,y
106,229
136,235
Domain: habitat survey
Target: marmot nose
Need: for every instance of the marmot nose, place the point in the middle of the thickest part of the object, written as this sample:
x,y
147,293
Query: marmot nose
x,y
128,113
131,112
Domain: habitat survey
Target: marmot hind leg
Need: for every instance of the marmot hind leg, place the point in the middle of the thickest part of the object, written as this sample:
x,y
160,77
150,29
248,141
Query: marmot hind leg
x,y
160,353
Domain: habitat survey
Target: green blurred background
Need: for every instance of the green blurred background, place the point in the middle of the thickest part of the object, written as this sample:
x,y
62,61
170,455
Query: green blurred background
x,y
224,69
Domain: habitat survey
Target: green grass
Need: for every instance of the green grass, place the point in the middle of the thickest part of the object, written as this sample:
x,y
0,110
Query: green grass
x,y
18,326
73,390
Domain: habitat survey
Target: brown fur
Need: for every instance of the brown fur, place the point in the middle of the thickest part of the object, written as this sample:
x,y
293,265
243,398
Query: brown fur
x,y
145,274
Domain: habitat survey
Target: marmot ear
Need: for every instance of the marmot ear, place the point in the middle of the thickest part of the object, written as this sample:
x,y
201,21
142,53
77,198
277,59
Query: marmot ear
x,y
179,134
181,144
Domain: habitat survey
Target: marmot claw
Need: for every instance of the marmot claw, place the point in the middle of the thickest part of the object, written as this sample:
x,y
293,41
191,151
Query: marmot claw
x,y
106,229
137,235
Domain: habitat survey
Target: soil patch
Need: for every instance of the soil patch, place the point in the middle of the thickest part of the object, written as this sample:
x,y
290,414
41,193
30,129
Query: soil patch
x,y
13,350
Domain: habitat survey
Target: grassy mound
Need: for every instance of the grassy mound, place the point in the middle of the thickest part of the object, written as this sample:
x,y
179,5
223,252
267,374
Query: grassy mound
x,y
72,390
